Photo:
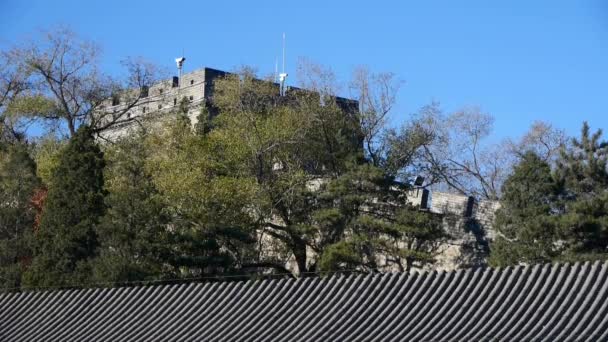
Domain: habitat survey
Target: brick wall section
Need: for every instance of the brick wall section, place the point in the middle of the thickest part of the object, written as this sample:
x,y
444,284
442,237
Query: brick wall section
x,y
446,203
464,206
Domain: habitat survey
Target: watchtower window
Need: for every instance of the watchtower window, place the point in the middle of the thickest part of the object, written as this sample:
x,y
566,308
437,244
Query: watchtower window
x,y
115,100
175,82
160,106
175,101
143,110
144,91
160,91
191,98
191,82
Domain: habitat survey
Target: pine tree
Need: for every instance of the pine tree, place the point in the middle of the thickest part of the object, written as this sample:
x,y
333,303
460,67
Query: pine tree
x,y
18,183
559,217
584,166
365,224
134,233
66,240
526,222
583,169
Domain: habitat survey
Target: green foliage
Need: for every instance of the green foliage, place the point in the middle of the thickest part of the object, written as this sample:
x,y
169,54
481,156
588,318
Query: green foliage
x,y
365,225
584,228
66,241
208,199
315,190
18,182
583,169
134,236
556,217
47,152
31,106
184,106
262,139
525,224
203,124
417,237
584,166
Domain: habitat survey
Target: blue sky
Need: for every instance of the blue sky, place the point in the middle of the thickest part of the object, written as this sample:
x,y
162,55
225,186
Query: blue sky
x,y
518,60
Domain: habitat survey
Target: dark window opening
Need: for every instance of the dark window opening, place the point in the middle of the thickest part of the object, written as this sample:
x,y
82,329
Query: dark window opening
x,y
160,106
191,98
160,91
191,82
144,91
175,83
143,110
115,100
175,102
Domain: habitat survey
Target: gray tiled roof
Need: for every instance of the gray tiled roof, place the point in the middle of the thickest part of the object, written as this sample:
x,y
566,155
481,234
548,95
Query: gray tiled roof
x,y
549,302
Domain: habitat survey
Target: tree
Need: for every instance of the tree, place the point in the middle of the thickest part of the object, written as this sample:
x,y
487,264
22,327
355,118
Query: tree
x,y
584,166
66,240
46,152
203,119
365,225
263,137
376,94
319,190
209,201
583,169
69,91
18,183
542,138
13,83
556,217
456,155
526,224
134,234
289,145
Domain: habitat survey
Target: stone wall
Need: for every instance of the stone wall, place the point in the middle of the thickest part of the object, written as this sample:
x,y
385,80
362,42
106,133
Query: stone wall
x,y
461,206
469,223
164,98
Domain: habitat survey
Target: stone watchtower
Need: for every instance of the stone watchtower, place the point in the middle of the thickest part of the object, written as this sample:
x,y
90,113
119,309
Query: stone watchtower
x,y
157,101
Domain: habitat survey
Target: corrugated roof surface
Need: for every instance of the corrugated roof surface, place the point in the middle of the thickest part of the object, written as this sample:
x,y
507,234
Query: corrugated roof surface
x,y
548,302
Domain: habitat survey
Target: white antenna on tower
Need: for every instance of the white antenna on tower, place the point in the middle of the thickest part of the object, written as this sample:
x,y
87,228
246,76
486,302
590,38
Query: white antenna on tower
x,y
276,69
283,75
283,52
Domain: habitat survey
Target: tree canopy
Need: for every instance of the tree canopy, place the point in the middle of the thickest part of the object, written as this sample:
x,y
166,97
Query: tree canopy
x,y
66,240
559,213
